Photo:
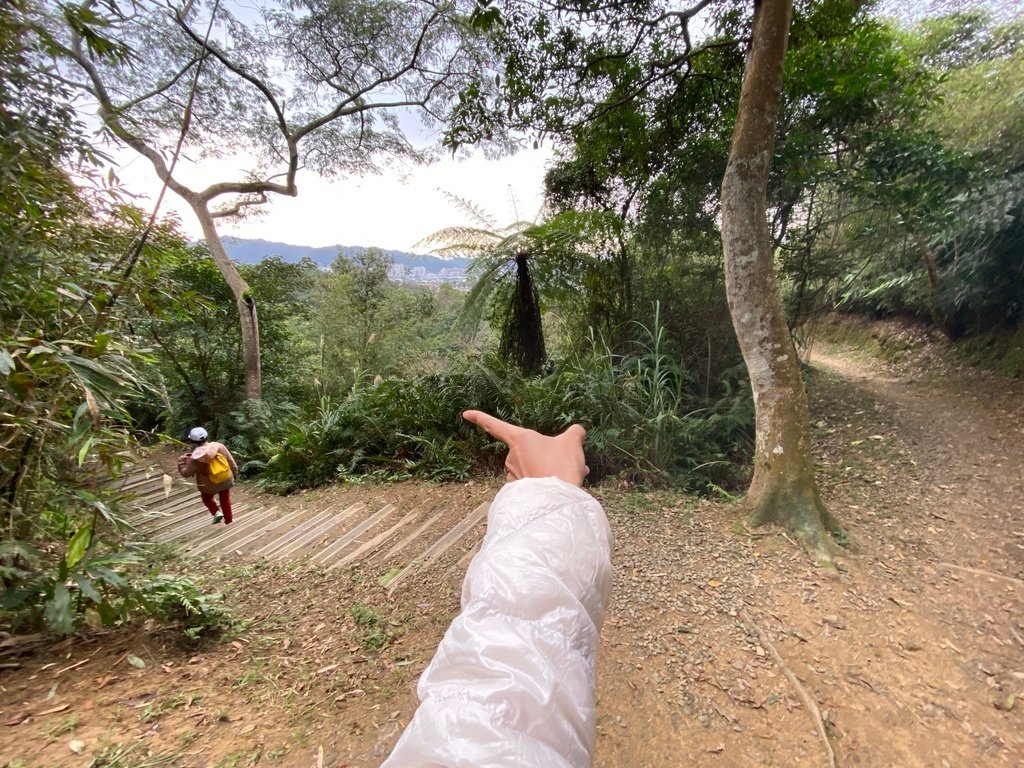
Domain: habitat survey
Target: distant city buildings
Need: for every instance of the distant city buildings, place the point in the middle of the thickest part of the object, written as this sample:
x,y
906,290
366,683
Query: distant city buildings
x,y
401,273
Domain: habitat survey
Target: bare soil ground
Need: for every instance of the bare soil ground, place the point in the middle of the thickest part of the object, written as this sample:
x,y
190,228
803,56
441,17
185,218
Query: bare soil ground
x,y
720,641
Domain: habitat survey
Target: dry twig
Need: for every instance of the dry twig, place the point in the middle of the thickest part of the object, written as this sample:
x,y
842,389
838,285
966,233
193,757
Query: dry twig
x,y
980,572
805,697
1016,635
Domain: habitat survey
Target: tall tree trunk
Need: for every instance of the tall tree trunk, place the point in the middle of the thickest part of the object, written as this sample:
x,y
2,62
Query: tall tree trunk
x,y
783,489
244,301
522,334
933,281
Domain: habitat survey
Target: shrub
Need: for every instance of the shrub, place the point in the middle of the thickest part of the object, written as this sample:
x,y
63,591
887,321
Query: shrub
x,y
177,600
643,416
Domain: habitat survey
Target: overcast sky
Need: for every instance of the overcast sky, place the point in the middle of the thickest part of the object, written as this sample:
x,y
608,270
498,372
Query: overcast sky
x,y
394,210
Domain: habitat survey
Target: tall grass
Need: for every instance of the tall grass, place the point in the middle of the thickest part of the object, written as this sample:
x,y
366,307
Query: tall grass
x,y
645,421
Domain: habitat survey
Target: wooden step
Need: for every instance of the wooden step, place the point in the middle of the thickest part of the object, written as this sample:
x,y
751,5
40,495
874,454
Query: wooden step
x,y
326,554
442,545
312,535
238,527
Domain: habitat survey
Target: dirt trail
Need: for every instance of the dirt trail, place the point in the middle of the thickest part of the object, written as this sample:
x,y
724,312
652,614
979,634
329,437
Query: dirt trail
x,y
966,433
912,654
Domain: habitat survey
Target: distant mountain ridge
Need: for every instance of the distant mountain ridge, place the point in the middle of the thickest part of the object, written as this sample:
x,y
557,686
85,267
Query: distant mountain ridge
x,y
254,251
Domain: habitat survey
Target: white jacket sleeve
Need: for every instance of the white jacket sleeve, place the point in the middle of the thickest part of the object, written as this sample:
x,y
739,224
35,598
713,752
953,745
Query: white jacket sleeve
x,y
512,682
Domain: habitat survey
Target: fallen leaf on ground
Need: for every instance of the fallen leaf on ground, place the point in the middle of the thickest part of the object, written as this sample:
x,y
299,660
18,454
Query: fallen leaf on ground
x,y
54,710
1005,706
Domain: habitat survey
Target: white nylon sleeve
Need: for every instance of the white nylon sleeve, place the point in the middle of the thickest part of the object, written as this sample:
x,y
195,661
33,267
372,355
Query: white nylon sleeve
x,y
512,682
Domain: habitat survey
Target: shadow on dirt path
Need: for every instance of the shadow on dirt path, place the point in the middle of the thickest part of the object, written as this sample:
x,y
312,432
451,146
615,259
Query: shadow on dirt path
x,y
914,655
966,433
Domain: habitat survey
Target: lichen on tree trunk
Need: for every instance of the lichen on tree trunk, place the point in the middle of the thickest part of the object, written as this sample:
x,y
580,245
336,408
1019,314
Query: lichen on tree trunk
x,y
783,489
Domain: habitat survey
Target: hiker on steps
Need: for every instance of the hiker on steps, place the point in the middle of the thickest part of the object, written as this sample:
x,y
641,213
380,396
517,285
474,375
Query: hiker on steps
x,y
215,472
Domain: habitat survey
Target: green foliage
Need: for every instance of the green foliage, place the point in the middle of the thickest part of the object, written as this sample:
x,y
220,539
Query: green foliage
x,y
72,369
250,427
923,214
85,582
644,418
105,588
1000,350
189,315
518,268
177,600
375,630
366,325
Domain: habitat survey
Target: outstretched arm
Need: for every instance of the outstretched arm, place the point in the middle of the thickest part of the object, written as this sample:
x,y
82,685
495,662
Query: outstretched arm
x,y
512,682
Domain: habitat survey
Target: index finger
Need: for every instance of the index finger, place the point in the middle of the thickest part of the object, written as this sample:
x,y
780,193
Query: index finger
x,y
495,427
576,432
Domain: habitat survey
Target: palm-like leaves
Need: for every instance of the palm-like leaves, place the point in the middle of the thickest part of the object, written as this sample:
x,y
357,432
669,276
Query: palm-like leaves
x,y
512,267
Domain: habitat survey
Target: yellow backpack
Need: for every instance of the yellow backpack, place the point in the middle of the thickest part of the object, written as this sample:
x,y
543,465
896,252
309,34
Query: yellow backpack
x,y
218,469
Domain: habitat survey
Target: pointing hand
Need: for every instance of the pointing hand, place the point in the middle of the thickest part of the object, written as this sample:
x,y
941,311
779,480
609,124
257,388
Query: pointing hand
x,y
531,454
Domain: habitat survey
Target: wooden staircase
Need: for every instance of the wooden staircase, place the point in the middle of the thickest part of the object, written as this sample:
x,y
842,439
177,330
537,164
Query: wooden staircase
x,y
372,531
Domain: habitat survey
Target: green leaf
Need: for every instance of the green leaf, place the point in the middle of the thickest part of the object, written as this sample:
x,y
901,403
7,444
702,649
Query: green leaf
x,y
388,577
11,598
41,349
106,575
57,613
123,557
78,545
100,379
108,614
19,549
485,20
86,587
84,450
101,342
69,294
136,662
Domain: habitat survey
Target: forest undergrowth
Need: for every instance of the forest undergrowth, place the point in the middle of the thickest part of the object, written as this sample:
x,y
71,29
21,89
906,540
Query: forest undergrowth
x,y
723,644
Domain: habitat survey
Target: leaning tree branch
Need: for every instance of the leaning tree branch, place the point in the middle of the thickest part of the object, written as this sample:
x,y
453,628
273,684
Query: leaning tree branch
x,y
240,206
108,113
289,188
136,252
163,88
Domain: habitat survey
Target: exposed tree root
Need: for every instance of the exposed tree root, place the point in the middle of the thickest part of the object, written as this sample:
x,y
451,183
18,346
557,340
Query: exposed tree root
x,y
805,697
980,572
798,509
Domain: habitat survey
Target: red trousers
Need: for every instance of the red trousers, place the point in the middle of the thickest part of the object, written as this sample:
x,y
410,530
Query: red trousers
x,y
225,503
